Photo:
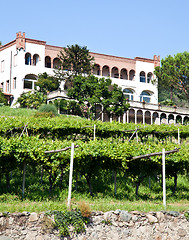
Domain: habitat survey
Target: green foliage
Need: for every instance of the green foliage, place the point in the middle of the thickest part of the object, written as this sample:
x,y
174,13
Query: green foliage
x,y
31,99
47,83
74,60
3,100
16,112
94,91
66,219
173,75
48,108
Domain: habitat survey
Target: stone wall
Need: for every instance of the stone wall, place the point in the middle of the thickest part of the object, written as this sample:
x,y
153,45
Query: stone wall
x,y
114,225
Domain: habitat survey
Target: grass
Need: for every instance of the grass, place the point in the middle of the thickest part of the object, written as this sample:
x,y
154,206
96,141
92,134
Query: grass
x,y
16,112
104,205
38,199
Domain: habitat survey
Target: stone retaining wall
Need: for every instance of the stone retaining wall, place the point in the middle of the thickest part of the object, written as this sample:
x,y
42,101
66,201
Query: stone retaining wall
x,y
114,225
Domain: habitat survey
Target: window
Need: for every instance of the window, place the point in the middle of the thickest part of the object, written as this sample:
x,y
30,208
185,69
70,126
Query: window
x,y
14,82
7,86
145,96
15,60
142,77
149,77
35,59
28,59
2,86
27,84
128,94
2,66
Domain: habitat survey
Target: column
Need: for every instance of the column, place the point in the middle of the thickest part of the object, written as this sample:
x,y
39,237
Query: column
x,y
143,117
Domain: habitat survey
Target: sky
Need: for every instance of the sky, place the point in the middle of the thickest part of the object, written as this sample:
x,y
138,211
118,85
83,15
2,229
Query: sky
x,y
125,28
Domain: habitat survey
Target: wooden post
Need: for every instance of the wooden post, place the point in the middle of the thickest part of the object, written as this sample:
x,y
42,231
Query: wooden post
x,y
136,135
70,176
178,136
94,131
163,177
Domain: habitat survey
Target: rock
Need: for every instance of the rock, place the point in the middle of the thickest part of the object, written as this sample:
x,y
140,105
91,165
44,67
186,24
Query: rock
x,y
108,215
151,218
11,220
125,216
5,238
39,238
94,236
160,216
126,233
181,232
173,213
33,217
158,237
117,212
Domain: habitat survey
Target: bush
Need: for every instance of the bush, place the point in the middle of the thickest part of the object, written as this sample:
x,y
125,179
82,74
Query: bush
x,y
85,209
48,108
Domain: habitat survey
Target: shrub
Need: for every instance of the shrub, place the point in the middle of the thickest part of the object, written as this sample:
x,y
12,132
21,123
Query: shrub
x,y
48,108
44,114
85,209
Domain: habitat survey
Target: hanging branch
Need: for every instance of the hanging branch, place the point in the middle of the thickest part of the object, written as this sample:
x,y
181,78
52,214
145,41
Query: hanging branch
x,y
61,150
155,154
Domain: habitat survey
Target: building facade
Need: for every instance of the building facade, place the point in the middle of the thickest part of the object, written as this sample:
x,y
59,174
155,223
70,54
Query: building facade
x,y
22,59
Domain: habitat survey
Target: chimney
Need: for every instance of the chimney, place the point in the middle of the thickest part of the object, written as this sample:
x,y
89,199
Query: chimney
x,y
20,41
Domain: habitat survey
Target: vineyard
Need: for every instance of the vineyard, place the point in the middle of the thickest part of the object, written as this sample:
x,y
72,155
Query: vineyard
x,y
118,162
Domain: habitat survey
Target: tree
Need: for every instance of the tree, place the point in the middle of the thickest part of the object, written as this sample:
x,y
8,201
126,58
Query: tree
x,y
74,60
91,90
47,83
173,74
3,100
31,100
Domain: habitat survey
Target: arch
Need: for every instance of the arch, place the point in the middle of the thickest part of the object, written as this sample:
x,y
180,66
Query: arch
x,y
148,117
105,71
142,77
36,59
123,74
145,96
30,76
128,93
47,62
56,63
178,119
139,116
98,111
28,58
149,77
115,72
171,119
96,70
131,116
29,81
131,74
186,120
155,118
163,118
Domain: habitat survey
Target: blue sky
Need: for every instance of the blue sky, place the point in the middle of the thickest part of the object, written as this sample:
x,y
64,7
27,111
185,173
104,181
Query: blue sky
x,y
126,28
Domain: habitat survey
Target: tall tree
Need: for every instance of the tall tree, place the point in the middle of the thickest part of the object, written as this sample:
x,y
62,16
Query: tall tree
x,y
91,90
74,60
47,83
174,74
